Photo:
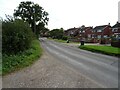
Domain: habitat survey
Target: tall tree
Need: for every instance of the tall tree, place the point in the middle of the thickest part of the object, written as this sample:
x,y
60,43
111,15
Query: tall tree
x,y
32,13
56,33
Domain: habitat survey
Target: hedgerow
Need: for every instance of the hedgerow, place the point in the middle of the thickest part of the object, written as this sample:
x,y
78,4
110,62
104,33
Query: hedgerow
x,y
16,36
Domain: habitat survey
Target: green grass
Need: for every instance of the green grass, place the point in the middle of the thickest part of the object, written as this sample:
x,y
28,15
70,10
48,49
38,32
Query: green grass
x,y
75,42
60,40
12,63
109,50
63,41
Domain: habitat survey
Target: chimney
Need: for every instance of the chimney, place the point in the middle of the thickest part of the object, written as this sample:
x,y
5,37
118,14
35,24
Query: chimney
x,y
92,26
108,24
117,22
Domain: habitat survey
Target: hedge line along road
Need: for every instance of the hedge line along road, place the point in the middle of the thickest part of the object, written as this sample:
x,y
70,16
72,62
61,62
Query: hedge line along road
x,y
63,66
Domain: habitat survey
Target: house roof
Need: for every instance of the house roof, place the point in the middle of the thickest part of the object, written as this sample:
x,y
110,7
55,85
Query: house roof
x,y
117,25
71,29
100,27
88,28
85,28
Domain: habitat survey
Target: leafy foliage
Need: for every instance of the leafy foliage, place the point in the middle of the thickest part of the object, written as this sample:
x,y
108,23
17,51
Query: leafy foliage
x,y
56,33
33,14
115,44
65,38
115,41
16,36
41,30
12,63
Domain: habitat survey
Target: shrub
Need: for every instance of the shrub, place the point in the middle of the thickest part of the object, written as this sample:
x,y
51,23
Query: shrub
x,y
103,41
16,36
64,37
115,44
56,33
12,63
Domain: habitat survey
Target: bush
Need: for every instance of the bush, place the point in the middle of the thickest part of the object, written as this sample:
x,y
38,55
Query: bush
x,y
65,38
103,41
115,44
16,36
56,33
12,63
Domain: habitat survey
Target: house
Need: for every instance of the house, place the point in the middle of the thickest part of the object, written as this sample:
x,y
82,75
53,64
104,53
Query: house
x,y
85,33
116,30
98,34
81,32
102,34
78,34
71,32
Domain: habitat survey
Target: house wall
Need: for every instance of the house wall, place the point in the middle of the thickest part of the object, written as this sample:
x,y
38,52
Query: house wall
x,y
107,31
70,32
118,30
88,32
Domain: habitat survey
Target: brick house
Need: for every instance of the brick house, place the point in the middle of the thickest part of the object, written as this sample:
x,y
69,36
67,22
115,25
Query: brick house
x,y
100,33
81,32
97,34
85,33
71,32
116,30
77,34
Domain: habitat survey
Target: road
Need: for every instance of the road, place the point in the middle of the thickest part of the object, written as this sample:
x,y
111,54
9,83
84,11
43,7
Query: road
x,y
102,69
64,66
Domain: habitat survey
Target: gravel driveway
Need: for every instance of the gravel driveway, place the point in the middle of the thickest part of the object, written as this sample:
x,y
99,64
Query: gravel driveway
x,y
47,72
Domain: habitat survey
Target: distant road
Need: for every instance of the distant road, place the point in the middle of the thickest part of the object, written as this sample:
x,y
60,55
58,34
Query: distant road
x,y
100,68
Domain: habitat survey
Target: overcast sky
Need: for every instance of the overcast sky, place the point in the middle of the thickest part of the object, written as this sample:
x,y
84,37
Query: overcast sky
x,y
71,13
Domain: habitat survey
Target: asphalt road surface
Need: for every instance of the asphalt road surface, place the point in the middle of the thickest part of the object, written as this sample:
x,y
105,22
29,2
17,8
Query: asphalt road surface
x,y
102,69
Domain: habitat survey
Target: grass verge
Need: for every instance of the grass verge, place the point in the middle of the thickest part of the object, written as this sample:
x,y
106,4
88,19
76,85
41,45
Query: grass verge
x,y
15,62
60,40
109,50
63,41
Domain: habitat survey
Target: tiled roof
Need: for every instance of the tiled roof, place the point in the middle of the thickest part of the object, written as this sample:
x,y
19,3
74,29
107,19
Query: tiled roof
x,y
71,29
116,25
100,27
85,28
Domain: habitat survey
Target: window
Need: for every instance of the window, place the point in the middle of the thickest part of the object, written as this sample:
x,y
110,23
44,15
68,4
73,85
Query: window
x,y
93,35
89,35
71,32
99,31
99,36
83,31
114,29
105,36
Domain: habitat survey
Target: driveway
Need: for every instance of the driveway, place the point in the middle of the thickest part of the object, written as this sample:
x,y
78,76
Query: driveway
x,y
63,66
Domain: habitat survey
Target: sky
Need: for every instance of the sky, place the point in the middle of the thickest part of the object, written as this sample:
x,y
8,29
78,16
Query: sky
x,y
71,13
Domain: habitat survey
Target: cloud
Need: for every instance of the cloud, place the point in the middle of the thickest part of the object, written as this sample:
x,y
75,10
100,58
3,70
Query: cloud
x,y
71,13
